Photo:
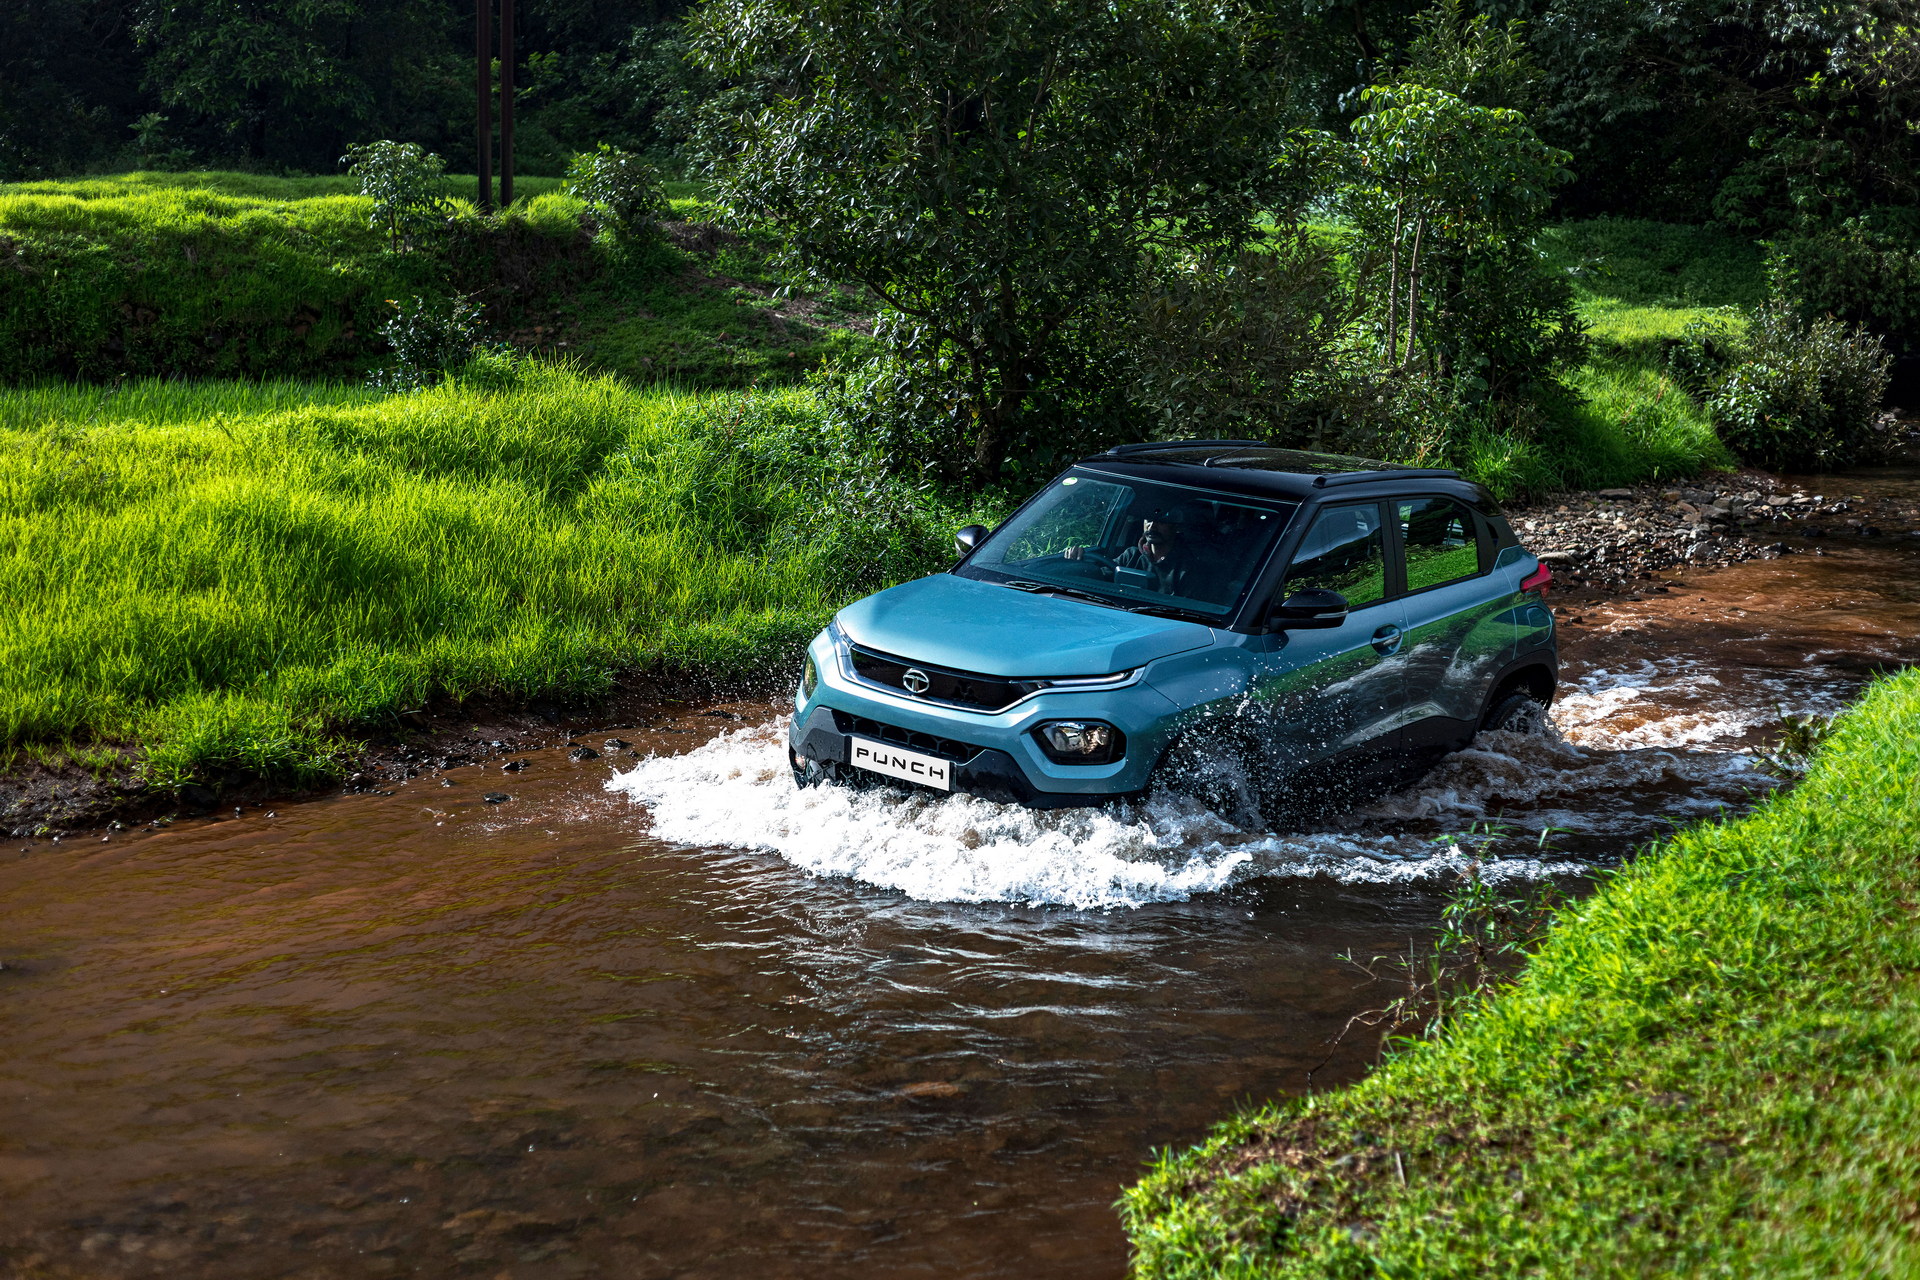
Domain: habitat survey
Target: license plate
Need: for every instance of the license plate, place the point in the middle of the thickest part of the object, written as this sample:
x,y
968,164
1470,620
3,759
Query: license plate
x,y
898,762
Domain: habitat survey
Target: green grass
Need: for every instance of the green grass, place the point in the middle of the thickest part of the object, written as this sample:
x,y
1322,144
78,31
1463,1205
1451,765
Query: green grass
x,y
1712,1068
1637,285
239,275
236,575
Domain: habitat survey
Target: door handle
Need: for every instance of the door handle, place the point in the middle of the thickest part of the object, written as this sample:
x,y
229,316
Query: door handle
x,y
1387,639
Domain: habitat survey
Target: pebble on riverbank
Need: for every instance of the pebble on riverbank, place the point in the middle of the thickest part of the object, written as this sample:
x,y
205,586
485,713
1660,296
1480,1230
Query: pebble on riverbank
x,y
1614,537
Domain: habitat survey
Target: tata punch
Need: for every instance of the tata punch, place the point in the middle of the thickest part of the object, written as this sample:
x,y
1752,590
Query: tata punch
x,y
1311,620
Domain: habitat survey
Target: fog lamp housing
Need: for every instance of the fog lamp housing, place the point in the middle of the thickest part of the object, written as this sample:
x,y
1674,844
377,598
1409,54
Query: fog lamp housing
x,y
1080,741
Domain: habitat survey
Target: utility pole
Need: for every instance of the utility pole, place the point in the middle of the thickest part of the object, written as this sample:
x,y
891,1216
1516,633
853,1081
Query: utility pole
x,y
506,103
483,84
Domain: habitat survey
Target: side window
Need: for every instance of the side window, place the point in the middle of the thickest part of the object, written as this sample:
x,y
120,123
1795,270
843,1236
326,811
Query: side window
x,y
1344,551
1441,540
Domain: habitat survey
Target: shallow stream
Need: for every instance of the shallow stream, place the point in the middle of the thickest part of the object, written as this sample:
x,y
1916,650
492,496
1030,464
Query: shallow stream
x,y
672,1018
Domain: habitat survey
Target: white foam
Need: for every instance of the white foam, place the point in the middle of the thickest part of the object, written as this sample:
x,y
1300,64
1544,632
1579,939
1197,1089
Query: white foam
x,y
735,791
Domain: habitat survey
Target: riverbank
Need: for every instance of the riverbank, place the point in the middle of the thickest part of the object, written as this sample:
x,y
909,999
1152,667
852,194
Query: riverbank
x,y
210,589
1705,1070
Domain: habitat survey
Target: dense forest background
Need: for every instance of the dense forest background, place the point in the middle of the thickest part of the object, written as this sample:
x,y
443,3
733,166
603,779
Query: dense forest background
x,y
1754,114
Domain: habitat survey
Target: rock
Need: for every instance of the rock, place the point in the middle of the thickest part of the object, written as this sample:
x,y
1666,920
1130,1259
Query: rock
x,y
197,797
1562,557
446,782
724,715
929,1089
513,766
618,744
496,797
583,753
1614,493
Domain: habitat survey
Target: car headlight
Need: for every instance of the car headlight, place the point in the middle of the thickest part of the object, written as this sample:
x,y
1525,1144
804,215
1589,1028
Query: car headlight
x,y
809,679
1080,741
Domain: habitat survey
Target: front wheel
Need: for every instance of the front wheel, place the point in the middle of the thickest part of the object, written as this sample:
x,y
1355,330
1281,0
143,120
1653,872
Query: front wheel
x,y
1516,712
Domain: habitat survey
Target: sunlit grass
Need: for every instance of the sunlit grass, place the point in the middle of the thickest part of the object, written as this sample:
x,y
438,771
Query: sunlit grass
x,y
235,575
1709,1070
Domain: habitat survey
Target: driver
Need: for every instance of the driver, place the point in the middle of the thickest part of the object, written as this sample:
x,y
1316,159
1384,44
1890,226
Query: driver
x,y
1160,551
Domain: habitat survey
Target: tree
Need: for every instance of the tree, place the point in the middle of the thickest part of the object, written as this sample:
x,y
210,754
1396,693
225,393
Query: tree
x,y
404,182
995,172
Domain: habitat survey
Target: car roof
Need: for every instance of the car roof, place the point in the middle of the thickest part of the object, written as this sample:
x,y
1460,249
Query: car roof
x,y
1253,469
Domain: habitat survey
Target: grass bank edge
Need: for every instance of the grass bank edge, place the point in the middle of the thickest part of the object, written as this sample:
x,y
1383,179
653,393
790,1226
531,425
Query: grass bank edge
x,y
1711,1067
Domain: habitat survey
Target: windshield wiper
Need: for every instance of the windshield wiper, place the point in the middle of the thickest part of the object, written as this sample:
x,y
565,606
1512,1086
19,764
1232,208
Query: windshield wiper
x,y
1176,612
1050,589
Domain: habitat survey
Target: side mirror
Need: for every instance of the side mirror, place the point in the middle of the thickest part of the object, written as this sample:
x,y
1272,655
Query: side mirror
x,y
969,538
1309,610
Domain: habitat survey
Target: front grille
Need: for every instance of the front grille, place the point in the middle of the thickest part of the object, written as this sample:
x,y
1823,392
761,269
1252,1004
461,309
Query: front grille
x,y
960,688
945,748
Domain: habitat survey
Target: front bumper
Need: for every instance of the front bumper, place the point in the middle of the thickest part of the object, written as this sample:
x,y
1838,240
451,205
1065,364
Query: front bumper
x,y
994,754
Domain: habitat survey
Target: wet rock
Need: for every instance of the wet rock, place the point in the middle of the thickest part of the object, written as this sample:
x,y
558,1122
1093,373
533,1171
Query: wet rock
x,y
496,797
931,1090
197,798
514,766
1614,493
583,753
723,715
446,782
618,744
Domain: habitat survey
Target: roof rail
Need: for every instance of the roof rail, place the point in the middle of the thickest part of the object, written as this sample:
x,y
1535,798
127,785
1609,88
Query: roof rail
x,y
1122,450
1399,473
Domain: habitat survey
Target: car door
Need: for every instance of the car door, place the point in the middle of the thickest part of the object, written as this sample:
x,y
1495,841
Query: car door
x,y
1336,692
1455,642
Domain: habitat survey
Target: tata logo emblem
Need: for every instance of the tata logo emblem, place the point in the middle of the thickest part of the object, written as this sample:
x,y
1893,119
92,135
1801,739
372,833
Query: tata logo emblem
x,y
915,680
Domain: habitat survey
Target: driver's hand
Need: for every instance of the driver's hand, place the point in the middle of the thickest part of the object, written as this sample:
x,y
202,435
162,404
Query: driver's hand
x,y
1072,553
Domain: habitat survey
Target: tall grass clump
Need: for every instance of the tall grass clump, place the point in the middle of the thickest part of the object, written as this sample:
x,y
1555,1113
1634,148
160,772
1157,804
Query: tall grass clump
x,y
234,576
1710,1068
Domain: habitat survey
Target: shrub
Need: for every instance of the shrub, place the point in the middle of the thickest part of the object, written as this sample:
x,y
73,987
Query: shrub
x,y
622,190
1865,270
1805,395
429,337
403,181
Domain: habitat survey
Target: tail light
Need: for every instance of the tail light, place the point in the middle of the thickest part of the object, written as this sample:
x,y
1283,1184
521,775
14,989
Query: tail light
x,y
1537,580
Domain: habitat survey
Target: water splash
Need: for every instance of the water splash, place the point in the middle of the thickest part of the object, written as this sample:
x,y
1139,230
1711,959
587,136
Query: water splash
x,y
735,791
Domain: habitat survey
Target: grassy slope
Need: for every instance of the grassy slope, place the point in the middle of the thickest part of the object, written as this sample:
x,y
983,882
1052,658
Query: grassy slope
x,y
234,573
1637,285
1712,1068
220,275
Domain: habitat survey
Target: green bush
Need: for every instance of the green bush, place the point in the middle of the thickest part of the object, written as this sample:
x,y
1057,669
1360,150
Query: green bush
x,y
1865,270
403,181
622,191
429,337
1804,395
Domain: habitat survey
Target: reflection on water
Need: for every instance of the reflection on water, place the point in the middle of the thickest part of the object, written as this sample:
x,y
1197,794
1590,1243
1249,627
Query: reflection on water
x,y
699,1025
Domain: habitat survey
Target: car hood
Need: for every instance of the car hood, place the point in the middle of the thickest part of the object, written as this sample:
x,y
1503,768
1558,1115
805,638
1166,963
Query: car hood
x,y
949,621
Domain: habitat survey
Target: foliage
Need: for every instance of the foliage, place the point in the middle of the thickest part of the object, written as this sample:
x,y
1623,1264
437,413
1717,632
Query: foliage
x,y
235,574
621,190
1864,269
1804,396
403,182
1703,1071
299,78
429,339
995,175
1248,343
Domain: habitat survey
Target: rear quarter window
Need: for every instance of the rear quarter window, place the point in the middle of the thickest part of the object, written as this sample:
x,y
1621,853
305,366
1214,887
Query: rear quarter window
x,y
1441,542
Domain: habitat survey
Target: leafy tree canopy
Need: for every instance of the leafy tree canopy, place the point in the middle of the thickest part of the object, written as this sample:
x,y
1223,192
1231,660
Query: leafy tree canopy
x,y
994,172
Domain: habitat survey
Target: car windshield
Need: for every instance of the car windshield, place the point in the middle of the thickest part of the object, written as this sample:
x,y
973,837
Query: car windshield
x,y
1134,544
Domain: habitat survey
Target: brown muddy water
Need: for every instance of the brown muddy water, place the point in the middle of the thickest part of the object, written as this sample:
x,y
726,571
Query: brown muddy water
x,y
667,1017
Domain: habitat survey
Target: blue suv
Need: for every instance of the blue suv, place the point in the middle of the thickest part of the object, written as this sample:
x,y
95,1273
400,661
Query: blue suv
x,y
1248,624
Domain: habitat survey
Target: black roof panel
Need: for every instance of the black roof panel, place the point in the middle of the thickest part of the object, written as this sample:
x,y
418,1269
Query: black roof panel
x,y
1254,469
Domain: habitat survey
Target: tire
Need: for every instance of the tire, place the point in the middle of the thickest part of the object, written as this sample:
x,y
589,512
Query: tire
x,y
1515,711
